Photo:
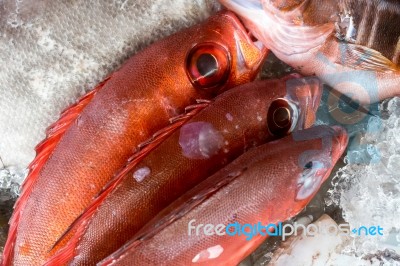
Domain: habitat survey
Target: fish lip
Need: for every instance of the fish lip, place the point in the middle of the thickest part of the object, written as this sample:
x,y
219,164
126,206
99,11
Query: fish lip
x,y
342,139
240,26
316,94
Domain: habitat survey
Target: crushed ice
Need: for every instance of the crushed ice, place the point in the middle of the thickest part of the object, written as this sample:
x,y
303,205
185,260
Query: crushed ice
x,y
367,188
11,179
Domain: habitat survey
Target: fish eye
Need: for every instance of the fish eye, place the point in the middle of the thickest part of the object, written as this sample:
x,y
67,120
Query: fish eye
x,y
208,65
282,117
308,165
309,180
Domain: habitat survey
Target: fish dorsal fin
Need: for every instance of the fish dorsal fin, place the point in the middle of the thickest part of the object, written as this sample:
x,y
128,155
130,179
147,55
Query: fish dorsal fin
x,y
175,211
363,58
43,151
78,227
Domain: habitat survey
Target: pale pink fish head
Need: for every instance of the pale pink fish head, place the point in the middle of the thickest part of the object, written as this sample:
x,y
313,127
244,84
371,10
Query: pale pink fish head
x,y
287,27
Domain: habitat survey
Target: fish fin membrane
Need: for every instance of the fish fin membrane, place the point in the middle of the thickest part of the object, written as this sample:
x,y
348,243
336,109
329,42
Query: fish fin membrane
x,y
78,227
361,57
43,151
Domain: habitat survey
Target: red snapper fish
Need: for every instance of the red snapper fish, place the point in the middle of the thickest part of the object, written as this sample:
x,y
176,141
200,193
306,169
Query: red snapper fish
x,y
208,141
318,38
268,184
95,137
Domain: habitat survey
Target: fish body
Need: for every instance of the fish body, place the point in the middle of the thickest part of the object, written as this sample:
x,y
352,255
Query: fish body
x,y
268,184
320,38
95,137
208,141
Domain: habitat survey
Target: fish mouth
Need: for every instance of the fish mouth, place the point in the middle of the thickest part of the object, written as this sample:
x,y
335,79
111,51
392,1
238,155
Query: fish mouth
x,y
341,138
240,26
315,87
306,92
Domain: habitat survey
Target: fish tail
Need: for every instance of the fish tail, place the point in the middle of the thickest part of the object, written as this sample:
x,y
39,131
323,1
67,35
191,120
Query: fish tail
x,y
43,151
78,227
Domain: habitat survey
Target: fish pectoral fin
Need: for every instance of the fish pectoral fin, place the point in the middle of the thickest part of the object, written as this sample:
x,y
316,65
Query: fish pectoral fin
x,y
364,58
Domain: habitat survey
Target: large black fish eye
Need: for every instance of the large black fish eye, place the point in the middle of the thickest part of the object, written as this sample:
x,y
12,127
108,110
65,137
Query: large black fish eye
x,y
308,165
281,117
208,65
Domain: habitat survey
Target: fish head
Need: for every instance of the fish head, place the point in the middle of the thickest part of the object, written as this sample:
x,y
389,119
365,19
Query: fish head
x,y
297,109
296,166
312,155
287,27
223,54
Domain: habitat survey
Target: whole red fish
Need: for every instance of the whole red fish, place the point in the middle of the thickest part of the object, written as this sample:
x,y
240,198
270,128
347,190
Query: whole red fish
x,y
95,137
268,184
208,141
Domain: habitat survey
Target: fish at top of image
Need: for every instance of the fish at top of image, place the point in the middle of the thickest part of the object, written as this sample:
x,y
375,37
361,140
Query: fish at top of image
x,y
96,136
237,120
351,45
267,185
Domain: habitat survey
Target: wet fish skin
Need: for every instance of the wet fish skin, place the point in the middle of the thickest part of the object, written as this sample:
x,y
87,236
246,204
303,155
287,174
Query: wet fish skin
x,y
267,184
124,110
302,34
204,144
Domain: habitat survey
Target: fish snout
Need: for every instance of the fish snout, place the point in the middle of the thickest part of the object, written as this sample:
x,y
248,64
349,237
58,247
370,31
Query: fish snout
x,y
340,142
250,48
307,93
315,90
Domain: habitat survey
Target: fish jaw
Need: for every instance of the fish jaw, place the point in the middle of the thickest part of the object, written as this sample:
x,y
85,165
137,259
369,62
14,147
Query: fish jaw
x,y
248,55
306,93
342,139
